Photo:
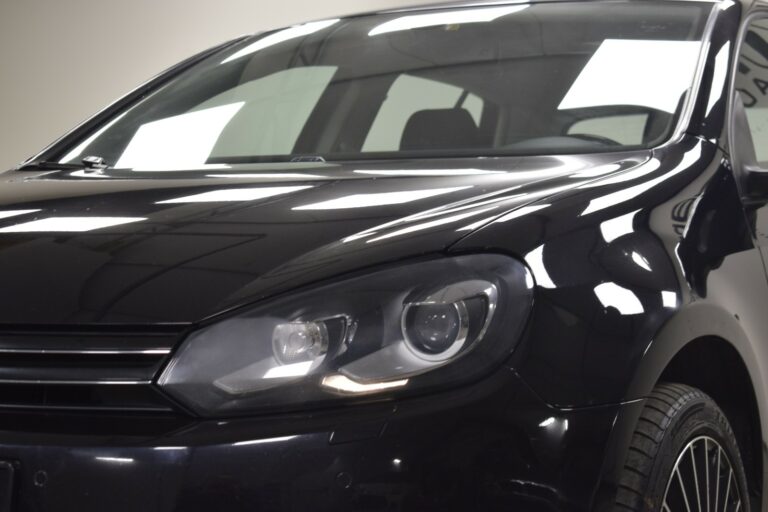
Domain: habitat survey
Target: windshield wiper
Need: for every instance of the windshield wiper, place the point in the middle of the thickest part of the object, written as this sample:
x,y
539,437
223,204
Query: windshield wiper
x,y
89,162
45,165
308,158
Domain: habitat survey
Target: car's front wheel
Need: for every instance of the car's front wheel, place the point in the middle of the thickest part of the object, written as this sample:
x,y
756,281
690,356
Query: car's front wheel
x,y
683,457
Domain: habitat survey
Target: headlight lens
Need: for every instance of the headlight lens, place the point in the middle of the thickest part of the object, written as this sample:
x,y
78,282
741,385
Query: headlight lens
x,y
435,331
411,328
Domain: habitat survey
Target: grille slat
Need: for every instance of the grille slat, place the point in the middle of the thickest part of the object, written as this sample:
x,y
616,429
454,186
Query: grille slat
x,y
85,340
63,366
109,368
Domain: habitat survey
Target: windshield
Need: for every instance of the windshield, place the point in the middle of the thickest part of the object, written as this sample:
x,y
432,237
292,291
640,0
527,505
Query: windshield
x,y
475,81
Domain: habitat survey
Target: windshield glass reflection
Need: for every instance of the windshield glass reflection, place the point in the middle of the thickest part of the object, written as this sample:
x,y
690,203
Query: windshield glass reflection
x,y
523,79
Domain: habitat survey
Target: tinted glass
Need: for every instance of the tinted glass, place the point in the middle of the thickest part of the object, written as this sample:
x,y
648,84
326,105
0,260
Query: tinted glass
x,y
752,85
497,80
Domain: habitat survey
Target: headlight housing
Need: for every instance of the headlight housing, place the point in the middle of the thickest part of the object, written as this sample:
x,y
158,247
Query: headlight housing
x,y
410,328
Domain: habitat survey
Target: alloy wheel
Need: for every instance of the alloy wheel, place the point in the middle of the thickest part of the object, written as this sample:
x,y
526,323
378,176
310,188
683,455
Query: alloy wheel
x,y
702,480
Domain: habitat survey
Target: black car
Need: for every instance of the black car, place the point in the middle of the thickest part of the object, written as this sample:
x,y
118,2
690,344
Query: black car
x,y
501,256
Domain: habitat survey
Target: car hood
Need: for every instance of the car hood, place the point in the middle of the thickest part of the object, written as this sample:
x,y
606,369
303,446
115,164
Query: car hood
x,y
151,247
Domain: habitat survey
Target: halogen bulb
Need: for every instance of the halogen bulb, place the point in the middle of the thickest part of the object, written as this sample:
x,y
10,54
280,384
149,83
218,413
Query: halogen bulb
x,y
298,342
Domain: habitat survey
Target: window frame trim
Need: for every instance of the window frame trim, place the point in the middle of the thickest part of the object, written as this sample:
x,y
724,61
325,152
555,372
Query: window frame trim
x,y
757,12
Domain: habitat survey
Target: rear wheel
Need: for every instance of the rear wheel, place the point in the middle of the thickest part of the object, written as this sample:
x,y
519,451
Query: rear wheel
x,y
683,457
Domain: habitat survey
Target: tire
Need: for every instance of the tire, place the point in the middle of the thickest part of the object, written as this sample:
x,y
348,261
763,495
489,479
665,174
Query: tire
x,y
666,463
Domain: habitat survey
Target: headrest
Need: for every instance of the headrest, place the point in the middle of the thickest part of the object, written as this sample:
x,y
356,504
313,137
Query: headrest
x,y
450,128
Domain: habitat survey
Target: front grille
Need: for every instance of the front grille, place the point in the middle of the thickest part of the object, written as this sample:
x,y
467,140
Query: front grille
x,y
106,368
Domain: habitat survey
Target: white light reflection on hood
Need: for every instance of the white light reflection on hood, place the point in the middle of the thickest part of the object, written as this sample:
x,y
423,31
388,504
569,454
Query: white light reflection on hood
x,y
235,194
379,199
14,213
430,172
69,224
629,193
428,225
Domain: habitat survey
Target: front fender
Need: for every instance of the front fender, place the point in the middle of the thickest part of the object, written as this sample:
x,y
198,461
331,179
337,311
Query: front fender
x,y
694,322
629,270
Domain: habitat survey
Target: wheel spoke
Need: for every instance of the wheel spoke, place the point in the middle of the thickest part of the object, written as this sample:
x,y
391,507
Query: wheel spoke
x,y
695,477
706,467
710,482
717,479
682,488
727,491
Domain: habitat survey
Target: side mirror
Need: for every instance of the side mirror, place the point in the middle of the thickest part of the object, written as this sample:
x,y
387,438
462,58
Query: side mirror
x,y
753,177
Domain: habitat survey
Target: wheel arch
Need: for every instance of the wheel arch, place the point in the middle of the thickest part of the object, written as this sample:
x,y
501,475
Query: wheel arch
x,y
707,347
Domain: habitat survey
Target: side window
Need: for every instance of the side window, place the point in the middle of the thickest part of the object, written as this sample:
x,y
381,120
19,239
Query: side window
x,y
752,85
627,130
409,95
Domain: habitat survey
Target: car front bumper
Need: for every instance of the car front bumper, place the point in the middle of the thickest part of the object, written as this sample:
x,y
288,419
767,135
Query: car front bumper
x,y
490,446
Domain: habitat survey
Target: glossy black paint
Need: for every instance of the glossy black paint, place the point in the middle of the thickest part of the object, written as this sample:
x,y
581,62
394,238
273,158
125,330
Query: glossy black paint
x,y
191,260
473,447
548,431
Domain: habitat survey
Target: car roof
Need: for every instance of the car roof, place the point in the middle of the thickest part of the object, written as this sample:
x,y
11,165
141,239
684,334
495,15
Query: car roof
x,y
470,3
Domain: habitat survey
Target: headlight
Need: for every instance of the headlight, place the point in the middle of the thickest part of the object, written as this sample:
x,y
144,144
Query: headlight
x,y
411,328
